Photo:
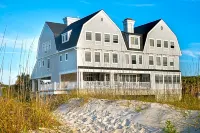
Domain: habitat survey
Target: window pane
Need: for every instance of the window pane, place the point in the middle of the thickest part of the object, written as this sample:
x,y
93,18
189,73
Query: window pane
x,y
97,36
127,78
150,60
164,61
158,61
140,59
107,37
66,56
161,79
174,79
88,36
158,43
171,63
60,57
136,41
115,58
132,40
106,57
172,44
48,63
178,78
157,78
88,56
115,77
152,42
115,38
132,78
170,79
97,56
166,44
166,79
127,58
133,59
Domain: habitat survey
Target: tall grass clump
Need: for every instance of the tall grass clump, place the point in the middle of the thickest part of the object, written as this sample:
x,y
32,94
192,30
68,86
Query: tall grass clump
x,y
16,116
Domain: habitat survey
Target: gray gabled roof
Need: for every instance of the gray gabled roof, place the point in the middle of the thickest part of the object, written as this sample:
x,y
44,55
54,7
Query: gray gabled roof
x,y
56,28
76,28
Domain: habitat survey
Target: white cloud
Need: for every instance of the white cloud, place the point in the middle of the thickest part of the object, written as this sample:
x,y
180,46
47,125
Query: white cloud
x,y
189,53
135,5
85,2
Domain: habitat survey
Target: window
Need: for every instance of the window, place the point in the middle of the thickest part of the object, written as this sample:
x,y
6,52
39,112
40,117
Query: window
x,y
171,63
115,58
150,60
166,79
65,37
60,58
140,59
107,37
152,42
174,79
132,78
158,43
157,78
106,57
66,56
39,63
88,56
127,78
127,58
115,77
133,59
98,37
169,79
158,61
48,63
165,44
178,79
43,63
172,44
115,38
161,79
164,61
88,35
97,56
134,40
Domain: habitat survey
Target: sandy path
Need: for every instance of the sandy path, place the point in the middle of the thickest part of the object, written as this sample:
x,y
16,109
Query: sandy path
x,y
121,116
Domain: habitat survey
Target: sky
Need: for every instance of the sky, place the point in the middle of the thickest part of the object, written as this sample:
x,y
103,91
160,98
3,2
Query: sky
x,y
22,22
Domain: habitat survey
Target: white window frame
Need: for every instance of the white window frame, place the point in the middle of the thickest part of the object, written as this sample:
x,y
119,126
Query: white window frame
x,y
108,57
139,59
135,59
170,44
150,43
60,58
97,42
157,43
171,59
99,56
113,38
86,33
163,61
107,43
164,44
153,60
64,39
138,37
126,54
65,56
160,61
90,55
117,58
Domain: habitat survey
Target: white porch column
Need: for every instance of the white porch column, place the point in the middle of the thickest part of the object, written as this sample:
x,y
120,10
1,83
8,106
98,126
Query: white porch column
x,y
33,85
39,85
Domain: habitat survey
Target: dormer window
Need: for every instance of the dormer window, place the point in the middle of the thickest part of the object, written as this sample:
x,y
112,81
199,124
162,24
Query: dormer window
x,y
134,40
66,36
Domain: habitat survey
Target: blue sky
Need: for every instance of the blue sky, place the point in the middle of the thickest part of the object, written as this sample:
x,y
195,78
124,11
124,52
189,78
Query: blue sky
x,y
26,18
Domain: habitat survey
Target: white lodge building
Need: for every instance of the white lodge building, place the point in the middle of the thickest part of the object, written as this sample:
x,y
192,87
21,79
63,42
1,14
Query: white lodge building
x,y
93,52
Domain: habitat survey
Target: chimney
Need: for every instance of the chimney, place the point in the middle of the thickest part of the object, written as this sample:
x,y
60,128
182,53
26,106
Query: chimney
x,y
129,25
69,20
